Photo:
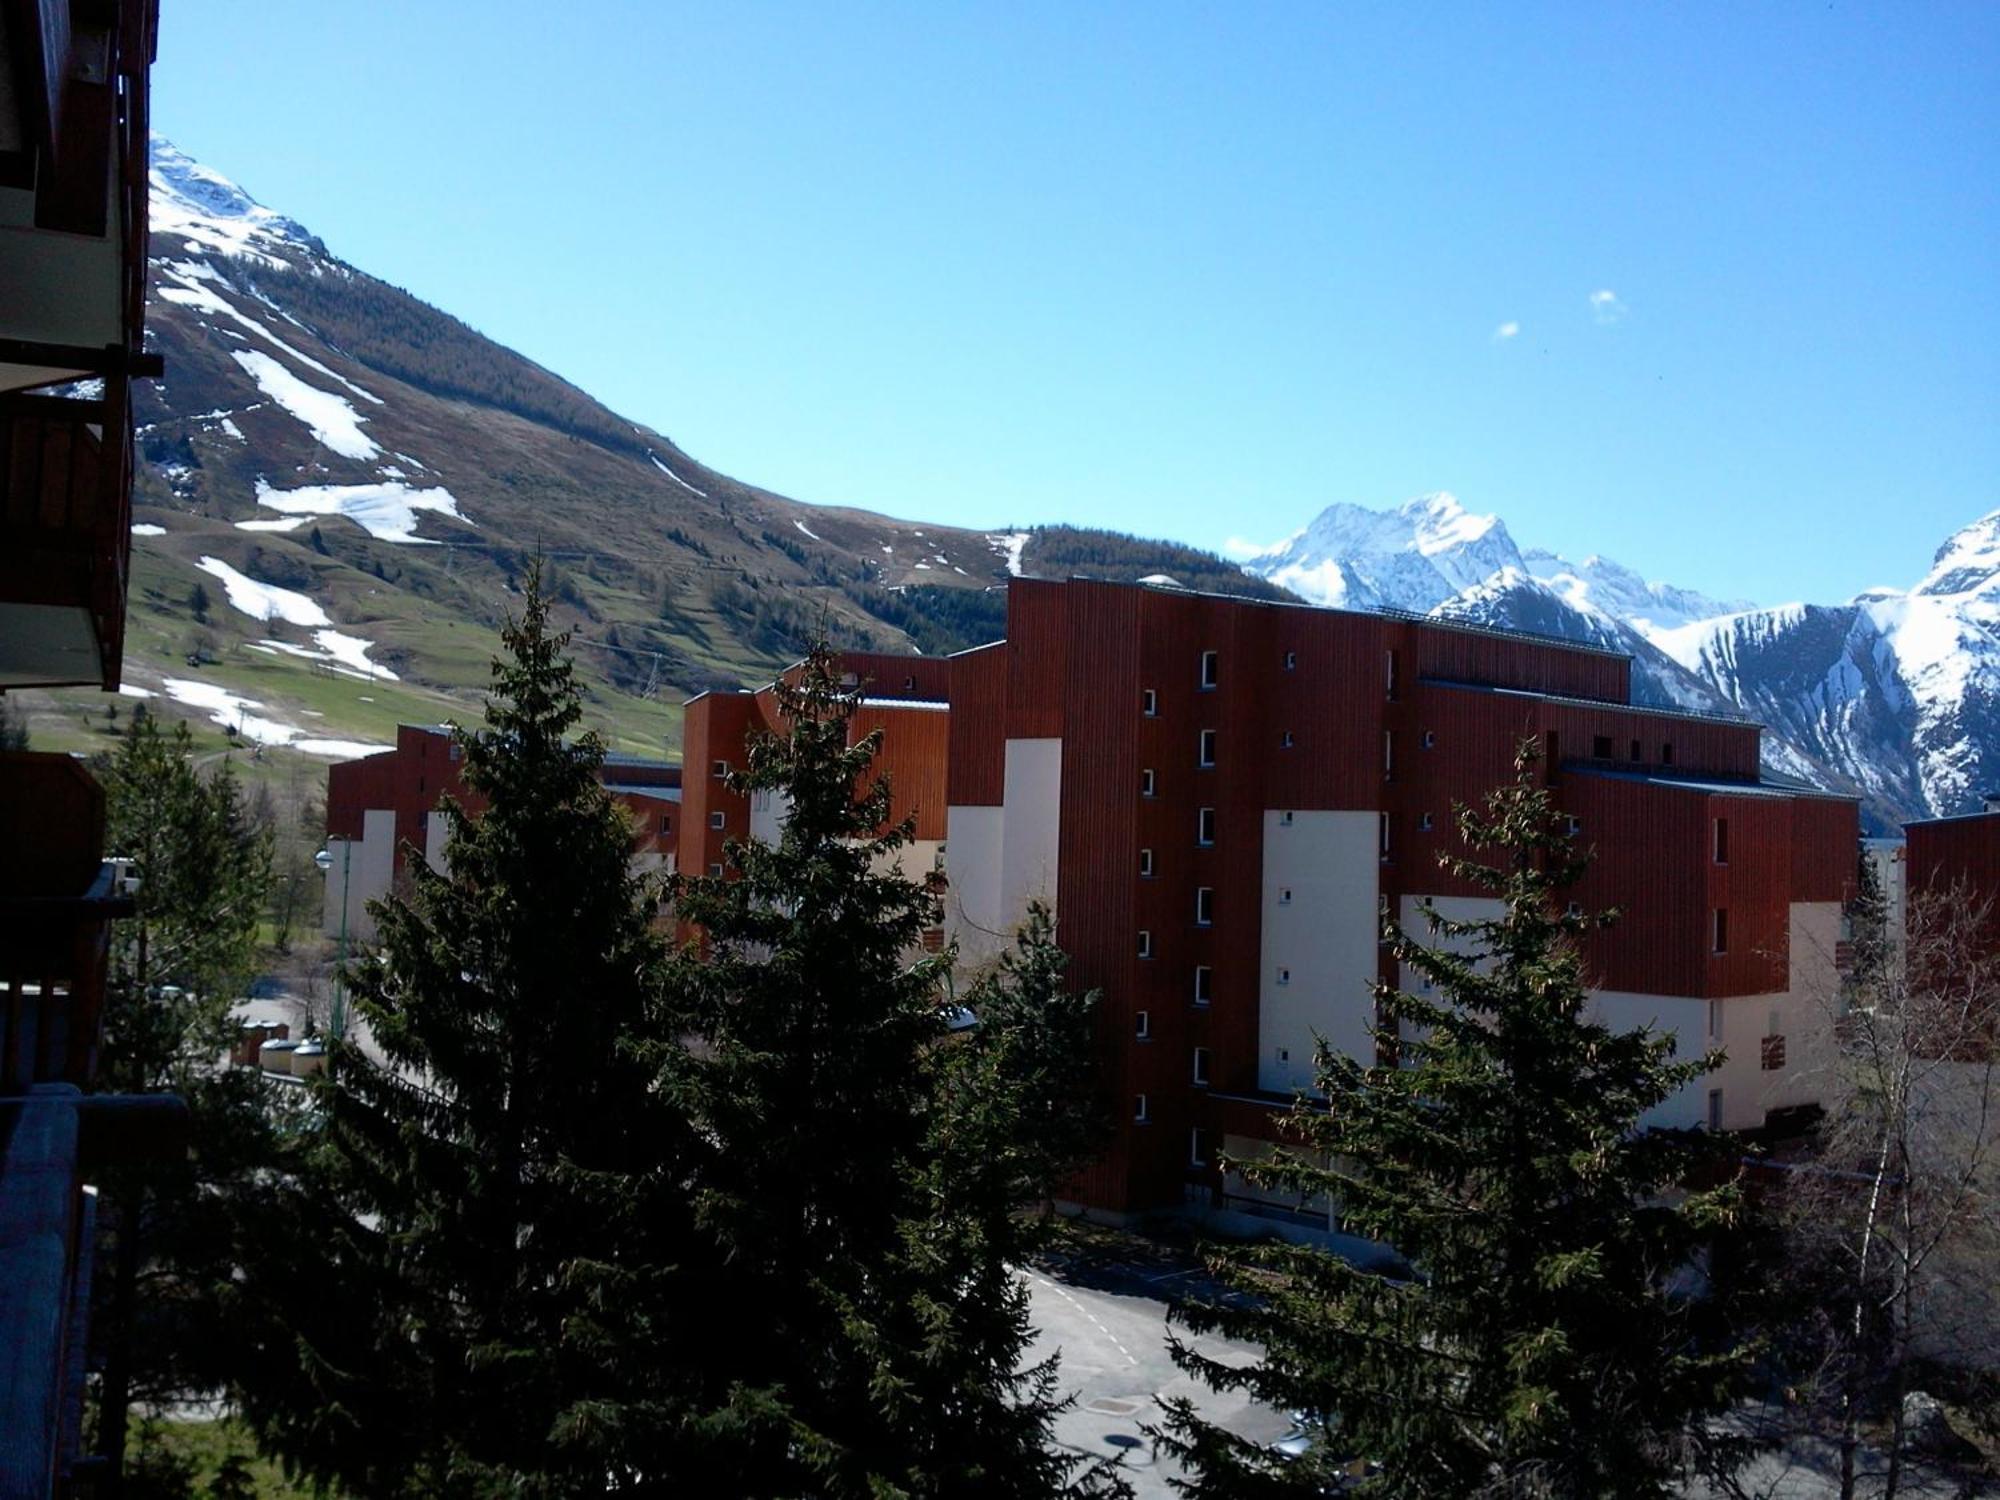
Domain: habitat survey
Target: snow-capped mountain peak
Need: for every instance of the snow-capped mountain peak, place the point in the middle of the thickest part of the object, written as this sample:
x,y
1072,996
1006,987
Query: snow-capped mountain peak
x,y
1412,557
1968,563
199,204
1894,695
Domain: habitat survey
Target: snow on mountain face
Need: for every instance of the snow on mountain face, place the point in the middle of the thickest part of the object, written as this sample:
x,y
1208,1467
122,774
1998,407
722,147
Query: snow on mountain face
x,y
1597,583
1413,557
1969,563
199,204
1895,695
1431,549
1898,693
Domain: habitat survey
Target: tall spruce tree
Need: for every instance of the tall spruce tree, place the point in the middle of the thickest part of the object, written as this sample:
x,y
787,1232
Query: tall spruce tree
x,y
426,1346
177,966
861,1164
1547,1342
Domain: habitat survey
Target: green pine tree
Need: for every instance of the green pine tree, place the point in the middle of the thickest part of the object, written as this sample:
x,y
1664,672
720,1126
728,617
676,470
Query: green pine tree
x,y
1546,1343
425,1345
177,965
861,1163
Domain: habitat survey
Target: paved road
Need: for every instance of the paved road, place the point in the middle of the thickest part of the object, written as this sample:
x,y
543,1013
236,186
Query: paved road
x,y
1114,1358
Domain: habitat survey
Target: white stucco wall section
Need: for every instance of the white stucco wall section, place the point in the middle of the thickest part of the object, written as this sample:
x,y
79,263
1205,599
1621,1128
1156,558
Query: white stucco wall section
x,y
437,833
998,859
1320,948
1032,791
769,808
973,914
362,870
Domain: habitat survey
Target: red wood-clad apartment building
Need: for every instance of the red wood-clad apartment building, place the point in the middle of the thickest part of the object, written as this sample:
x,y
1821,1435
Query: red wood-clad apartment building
x,y
907,698
1220,796
383,808
1959,858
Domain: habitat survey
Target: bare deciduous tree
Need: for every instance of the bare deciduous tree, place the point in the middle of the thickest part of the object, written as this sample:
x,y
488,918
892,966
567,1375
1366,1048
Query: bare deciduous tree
x,y
1900,1209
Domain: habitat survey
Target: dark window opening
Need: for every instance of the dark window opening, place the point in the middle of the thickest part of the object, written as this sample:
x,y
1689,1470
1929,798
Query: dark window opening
x,y
1600,747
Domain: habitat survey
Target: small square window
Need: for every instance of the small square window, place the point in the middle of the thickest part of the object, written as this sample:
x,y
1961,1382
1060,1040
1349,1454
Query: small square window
x,y
1666,754
1715,1109
1147,782
1284,820
1149,703
1284,976
1424,823
1142,1025
1205,749
1204,906
1204,827
666,823
1204,984
909,684
721,769
1201,1066
1284,1054
1722,929
1291,661
1285,896
1210,668
715,820
1285,740
1430,739
1572,825
1140,1113
1600,747
1145,862
715,872
1576,908
1197,1147
1145,943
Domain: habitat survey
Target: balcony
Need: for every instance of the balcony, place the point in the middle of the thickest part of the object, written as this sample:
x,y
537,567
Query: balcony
x,y
65,538
57,900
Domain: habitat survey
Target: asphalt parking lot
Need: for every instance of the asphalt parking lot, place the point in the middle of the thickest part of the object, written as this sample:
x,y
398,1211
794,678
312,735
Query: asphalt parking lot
x,y
1109,1323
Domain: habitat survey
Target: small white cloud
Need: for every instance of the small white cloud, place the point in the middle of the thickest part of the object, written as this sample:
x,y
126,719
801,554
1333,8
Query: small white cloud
x,y
1506,331
1238,548
1605,306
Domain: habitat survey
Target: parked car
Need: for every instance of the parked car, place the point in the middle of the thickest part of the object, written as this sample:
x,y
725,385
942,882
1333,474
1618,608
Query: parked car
x,y
1312,1434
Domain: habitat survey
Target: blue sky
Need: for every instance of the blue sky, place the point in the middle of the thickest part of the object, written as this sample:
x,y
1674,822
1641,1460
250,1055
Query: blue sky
x,y
1197,271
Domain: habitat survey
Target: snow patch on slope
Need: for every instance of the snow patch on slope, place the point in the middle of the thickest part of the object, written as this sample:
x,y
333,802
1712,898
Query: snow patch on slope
x,y
1010,545
388,511
264,601
330,418
673,476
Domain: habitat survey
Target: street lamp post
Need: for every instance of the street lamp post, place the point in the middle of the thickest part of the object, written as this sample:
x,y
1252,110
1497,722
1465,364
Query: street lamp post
x,y
324,859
